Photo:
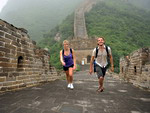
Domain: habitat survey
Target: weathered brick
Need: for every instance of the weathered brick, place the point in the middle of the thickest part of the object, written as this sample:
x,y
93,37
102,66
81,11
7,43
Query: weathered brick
x,y
21,77
10,55
12,51
4,59
2,79
4,88
3,64
23,42
10,37
16,44
23,30
16,35
3,74
13,61
10,46
13,87
2,23
14,74
4,50
4,29
2,54
6,69
1,33
25,50
5,40
20,69
22,85
2,44
11,27
8,83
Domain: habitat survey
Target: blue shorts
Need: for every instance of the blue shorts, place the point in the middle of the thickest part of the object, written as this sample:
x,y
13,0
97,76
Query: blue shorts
x,y
67,68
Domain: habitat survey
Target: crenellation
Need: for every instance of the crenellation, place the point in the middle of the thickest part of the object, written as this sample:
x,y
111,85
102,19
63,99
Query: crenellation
x,y
11,27
22,63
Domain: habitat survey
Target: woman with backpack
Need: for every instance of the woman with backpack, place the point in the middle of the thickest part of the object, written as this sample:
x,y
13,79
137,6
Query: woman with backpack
x,y
68,60
101,54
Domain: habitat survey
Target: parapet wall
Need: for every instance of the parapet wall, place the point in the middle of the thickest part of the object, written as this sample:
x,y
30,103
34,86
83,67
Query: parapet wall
x,y
22,63
135,68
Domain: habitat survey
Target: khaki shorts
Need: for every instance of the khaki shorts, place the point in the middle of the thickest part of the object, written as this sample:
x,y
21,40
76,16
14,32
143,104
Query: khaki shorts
x,y
101,71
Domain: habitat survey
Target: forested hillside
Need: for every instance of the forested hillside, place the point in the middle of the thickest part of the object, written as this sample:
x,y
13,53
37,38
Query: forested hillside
x,y
124,26
38,16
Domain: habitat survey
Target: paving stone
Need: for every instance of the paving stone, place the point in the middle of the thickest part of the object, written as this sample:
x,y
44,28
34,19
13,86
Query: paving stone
x,y
55,97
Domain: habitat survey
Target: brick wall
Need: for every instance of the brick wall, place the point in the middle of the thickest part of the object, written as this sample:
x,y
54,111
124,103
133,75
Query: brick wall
x,y
22,63
136,68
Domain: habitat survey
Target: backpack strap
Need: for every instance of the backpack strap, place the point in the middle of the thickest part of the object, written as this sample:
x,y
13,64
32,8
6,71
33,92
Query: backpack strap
x,y
96,52
107,51
63,52
71,50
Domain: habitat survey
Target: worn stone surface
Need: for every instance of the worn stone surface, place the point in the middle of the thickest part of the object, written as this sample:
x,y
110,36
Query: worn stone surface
x,y
54,97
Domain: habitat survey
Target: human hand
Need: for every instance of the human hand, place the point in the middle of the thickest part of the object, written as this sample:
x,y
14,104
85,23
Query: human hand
x,y
112,68
74,67
91,71
63,63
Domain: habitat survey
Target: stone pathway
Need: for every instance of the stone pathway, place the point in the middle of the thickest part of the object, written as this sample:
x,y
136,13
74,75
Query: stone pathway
x,y
54,97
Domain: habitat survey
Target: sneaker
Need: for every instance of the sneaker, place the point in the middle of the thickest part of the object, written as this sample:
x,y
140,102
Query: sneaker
x,y
68,86
71,86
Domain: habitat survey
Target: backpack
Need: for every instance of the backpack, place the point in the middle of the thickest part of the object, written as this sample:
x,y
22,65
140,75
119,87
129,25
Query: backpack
x,y
63,53
96,57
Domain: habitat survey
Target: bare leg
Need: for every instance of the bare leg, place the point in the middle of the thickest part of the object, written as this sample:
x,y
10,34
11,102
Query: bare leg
x,y
71,75
71,78
101,80
67,76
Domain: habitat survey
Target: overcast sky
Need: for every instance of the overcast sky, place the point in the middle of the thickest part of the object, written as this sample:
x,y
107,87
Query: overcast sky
x,y
2,4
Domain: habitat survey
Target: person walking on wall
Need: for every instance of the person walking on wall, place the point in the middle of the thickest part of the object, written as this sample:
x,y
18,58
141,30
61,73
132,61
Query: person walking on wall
x,y
101,55
68,60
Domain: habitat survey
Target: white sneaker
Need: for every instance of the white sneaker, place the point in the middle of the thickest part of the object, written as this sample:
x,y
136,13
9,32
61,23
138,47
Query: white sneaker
x,y
71,86
68,86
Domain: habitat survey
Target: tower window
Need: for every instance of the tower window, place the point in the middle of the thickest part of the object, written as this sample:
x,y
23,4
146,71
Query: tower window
x,y
20,62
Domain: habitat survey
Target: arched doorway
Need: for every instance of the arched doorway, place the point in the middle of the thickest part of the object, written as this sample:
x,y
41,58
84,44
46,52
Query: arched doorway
x,y
88,58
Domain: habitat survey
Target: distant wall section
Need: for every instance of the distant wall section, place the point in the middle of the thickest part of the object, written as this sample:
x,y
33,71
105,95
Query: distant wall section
x,y
135,67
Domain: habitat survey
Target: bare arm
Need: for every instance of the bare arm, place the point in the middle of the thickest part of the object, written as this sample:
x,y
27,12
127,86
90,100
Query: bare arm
x,y
112,63
91,64
61,58
74,58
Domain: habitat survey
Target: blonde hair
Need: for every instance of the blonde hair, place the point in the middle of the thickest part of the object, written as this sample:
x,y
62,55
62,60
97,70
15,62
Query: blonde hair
x,y
66,41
